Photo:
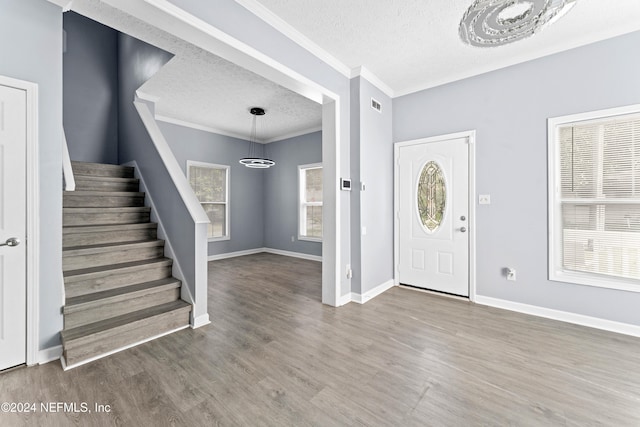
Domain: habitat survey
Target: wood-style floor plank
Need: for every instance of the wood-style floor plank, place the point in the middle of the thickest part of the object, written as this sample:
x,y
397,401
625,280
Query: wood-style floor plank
x,y
275,356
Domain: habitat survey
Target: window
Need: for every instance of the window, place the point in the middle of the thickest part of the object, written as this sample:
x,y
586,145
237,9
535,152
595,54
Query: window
x,y
211,184
594,198
310,212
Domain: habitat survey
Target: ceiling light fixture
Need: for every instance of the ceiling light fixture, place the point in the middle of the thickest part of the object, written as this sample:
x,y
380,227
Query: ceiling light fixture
x,y
254,161
498,22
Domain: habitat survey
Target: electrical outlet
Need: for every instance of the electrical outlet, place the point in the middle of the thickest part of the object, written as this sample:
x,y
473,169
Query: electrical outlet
x,y
511,274
484,199
293,239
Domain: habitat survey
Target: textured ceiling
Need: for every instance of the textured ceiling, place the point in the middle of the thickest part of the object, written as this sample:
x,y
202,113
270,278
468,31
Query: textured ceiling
x,y
201,88
414,44
407,44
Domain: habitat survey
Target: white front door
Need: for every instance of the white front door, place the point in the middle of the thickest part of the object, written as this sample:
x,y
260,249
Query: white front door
x,y
433,215
13,143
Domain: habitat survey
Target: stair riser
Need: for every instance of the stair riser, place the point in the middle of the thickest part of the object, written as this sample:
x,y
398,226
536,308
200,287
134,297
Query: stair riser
x,y
105,218
117,338
111,171
79,201
76,286
105,186
98,238
116,256
108,309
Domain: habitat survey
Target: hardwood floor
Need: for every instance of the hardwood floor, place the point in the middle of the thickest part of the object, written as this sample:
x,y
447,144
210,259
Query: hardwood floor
x,y
275,356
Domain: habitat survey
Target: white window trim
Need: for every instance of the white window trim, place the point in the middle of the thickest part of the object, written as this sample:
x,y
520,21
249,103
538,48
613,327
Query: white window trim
x,y
302,204
556,271
227,233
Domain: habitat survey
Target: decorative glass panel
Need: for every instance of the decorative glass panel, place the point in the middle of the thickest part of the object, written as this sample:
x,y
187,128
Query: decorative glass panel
x,y
432,196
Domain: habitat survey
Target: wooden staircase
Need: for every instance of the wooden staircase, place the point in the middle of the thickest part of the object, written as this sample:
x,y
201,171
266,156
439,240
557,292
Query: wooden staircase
x,y
118,284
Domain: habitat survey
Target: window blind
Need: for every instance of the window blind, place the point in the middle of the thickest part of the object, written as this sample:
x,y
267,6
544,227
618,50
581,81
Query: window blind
x,y
600,196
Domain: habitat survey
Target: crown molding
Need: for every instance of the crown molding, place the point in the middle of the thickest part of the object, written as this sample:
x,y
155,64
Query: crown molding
x,y
294,134
64,4
197,126
296,36
147,97
373,79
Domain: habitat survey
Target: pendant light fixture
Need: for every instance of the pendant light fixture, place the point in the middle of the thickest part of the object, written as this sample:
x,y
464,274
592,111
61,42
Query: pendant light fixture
x,y
255,161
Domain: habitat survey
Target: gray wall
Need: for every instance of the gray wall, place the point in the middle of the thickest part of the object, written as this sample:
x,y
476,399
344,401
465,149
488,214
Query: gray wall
x,y
31,46
509,109
371,164
376,172
281,192
233,19
246,186
90,90
138,61
356,220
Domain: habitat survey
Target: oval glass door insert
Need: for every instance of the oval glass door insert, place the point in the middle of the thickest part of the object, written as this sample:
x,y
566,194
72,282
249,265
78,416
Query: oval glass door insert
x,y
432,196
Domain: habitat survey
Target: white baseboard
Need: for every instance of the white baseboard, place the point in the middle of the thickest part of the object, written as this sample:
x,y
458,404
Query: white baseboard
x,y
293,254
563,316
200,321
235,254
49,354
362,298
261,250
344,299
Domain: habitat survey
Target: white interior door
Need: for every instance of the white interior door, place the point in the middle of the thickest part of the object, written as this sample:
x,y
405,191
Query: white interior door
x,y
13,143
433,215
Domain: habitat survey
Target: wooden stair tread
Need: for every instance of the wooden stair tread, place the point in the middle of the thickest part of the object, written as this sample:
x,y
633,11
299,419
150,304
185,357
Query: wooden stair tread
x,y
79,303
98,166
107,228
109,268
102,326
93,193
109,247
81,177
119,286
106,210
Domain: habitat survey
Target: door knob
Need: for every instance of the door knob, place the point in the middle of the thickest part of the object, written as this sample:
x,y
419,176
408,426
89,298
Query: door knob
x,y
11,241
463,229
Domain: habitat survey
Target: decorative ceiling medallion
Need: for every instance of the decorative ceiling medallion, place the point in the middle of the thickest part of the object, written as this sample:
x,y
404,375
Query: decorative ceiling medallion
x,y
498,22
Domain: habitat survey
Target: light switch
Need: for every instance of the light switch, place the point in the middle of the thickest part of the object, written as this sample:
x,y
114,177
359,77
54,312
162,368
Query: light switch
x,y
484,199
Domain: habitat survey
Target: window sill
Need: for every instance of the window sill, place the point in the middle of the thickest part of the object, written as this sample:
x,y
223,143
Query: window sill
x,y
607,282
310,239
218,239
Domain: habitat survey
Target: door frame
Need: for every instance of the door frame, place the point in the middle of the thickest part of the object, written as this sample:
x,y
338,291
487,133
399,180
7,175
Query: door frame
x,y
32,224
471,138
